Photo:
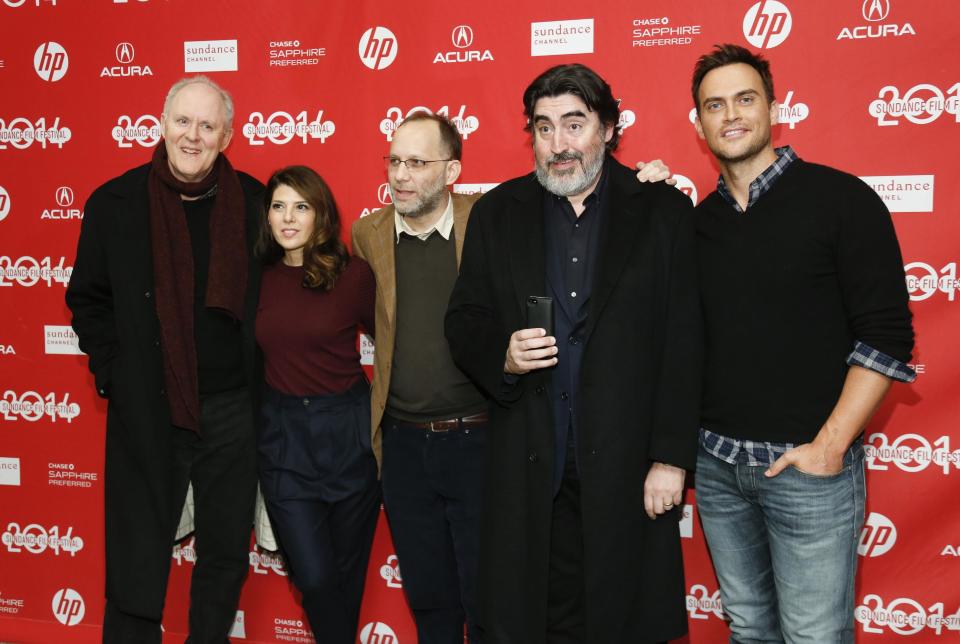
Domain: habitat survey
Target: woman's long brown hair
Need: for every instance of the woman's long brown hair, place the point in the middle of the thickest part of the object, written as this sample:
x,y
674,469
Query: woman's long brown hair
x,y
325,255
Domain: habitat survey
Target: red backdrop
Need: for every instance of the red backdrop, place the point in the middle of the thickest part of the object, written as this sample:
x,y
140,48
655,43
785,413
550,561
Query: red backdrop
x,y
869,86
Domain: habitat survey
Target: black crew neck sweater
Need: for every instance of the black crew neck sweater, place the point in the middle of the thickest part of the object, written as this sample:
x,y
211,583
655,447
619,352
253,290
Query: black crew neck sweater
x,y
787,288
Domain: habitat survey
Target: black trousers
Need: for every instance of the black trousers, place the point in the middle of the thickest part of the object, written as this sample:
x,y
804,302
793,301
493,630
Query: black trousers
x,y
565,594
432,491
221,464
318,476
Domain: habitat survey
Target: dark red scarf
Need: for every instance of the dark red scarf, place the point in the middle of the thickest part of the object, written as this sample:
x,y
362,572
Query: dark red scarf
x,y
173,271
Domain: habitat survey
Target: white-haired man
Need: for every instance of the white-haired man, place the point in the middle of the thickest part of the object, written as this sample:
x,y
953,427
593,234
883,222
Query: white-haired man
x,y
163,295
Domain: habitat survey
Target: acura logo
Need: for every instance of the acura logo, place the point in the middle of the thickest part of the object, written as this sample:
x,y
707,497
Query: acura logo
x,y
462,36
383,194
874,10
64,196
124,53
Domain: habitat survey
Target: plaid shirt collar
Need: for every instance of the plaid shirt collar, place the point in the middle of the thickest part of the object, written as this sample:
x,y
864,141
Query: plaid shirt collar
x,y
763,183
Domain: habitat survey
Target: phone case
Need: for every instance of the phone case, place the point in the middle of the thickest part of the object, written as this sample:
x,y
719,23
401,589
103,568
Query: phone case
x,y
540,313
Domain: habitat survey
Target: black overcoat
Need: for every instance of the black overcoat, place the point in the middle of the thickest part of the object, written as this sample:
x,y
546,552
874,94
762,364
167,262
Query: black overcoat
x,y
639,392
111,297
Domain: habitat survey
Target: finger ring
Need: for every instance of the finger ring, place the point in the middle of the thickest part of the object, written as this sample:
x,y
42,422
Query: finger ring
x,y
667,505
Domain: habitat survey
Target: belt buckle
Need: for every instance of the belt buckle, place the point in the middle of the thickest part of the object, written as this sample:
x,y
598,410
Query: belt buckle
x,y
438,430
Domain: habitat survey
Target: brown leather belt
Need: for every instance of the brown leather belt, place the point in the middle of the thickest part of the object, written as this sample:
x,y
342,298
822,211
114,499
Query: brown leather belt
x,y
451,424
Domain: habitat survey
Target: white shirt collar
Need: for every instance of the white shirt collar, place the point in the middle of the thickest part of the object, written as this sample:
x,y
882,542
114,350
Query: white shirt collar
x,y
444,225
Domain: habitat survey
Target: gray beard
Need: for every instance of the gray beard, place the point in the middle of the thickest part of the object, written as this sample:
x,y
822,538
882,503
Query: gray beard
x,y
573,182
425,205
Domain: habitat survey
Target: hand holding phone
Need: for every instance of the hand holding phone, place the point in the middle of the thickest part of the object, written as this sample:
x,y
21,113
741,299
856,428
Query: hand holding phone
x,y
530,348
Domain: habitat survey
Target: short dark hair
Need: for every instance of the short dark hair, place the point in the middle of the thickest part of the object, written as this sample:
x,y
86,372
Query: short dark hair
x,y
325,255
730,54
450,137
582,82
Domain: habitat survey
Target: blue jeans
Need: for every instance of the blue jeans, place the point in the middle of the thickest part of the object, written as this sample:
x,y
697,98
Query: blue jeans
x,y
784,549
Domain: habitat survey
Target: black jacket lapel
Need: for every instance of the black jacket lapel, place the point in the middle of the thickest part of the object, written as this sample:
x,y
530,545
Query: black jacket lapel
x,y
527,254
621,224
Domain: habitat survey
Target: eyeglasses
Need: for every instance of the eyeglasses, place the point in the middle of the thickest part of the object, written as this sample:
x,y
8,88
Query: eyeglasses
x,y
412,165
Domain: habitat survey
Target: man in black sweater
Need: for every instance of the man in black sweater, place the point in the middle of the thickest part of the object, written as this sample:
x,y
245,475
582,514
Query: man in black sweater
x,y
801,283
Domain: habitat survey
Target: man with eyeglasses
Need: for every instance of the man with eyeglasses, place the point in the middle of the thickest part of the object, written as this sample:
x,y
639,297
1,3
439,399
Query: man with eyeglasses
x,y
429,420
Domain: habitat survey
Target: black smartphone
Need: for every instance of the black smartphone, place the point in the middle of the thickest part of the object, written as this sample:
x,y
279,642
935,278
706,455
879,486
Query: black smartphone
x,y
540,313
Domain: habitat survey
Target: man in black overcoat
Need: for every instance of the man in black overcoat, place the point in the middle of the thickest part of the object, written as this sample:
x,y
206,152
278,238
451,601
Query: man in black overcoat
x,y
163,295
592,425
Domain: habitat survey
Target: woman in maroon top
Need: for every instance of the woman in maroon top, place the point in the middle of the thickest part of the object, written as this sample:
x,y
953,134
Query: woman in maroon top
x,y
318,474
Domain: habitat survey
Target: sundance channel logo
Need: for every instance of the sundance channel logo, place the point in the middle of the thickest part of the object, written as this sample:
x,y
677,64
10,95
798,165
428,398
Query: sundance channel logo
x,y
10,470
473,188
559,37
60,340
210,56
905,192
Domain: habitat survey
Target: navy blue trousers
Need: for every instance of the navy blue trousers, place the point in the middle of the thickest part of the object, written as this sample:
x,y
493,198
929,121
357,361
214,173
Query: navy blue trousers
x,y
432,491
318,476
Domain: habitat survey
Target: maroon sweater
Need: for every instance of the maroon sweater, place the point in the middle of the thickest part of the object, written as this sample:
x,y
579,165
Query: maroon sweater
x,y
309,336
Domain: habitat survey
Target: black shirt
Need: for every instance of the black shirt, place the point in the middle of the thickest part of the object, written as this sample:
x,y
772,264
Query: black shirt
x,y
572,248
218,336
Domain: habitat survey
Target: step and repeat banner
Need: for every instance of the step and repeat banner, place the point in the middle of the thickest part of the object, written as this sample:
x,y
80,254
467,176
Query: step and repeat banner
x,y
868,86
